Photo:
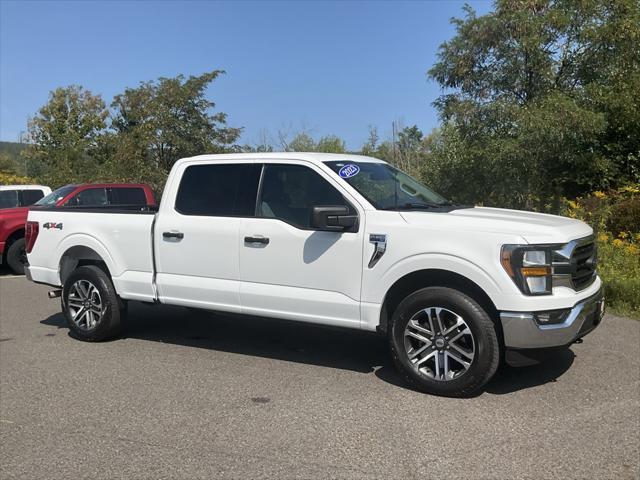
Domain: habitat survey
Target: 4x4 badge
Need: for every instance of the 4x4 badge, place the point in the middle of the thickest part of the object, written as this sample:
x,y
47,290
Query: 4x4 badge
x,y
49,225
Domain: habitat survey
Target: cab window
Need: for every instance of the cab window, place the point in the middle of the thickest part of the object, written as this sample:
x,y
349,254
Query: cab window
x,y
219,190
8,198
29,197
91,197
127,196
289,193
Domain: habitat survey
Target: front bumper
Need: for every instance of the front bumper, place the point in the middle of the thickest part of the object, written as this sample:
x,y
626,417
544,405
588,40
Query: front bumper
x,y
521,331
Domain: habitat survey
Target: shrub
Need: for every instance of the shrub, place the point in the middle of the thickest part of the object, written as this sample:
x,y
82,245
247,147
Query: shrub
x,y
624,216
615,216
619,268
7,178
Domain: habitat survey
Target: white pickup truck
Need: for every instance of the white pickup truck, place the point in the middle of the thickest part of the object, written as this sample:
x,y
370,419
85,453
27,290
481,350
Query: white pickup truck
x,y
340,240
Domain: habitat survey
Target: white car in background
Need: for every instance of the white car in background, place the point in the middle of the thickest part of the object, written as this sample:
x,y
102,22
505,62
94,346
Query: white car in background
x,y
12,196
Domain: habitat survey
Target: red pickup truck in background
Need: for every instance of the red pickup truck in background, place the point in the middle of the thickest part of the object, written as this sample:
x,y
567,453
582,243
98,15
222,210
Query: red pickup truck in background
x,y
12,220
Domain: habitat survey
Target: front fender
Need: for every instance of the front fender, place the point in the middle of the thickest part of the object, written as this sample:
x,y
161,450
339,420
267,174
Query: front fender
x,y
378,288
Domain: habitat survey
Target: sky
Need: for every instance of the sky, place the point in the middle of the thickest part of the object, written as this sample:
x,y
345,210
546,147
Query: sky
x,y
323,67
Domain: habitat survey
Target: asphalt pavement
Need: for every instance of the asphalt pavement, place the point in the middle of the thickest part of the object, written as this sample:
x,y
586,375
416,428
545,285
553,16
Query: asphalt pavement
x,y
184,395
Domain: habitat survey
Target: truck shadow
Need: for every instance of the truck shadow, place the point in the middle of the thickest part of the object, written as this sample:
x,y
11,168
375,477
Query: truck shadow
x,y
6,272
301,343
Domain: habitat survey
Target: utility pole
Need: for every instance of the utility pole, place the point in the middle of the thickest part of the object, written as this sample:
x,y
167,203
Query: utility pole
x,y
393,141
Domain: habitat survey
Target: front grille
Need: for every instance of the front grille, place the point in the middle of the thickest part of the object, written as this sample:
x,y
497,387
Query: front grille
x,y
583,265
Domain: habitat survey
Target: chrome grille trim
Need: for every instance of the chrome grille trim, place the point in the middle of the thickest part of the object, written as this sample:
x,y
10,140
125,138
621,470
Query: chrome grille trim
x,y
574,264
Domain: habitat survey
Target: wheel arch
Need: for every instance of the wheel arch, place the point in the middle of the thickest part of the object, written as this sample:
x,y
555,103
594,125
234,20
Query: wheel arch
x,y
13,236
433,277
78,256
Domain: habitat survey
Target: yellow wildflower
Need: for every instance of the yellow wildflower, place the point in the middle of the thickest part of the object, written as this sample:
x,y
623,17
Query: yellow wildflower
x,y
623,235
573,204
599,194
633,250
630,189
618,243
603,237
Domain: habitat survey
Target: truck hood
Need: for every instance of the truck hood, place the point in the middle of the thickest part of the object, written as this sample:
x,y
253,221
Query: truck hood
x,y
533,227
6,212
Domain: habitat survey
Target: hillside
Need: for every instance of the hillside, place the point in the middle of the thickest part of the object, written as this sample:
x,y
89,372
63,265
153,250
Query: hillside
x,y
10,159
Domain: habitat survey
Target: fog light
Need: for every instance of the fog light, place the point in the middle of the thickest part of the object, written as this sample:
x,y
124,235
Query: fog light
x,y
551,317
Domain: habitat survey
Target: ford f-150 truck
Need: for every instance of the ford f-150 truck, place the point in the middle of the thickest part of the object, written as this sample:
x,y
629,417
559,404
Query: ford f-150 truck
x,y
12,220
340,240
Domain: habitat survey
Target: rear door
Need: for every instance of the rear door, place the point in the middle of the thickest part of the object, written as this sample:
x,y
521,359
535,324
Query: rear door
x,y
197,236
287,268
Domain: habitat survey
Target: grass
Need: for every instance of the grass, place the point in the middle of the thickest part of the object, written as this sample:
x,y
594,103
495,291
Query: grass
x,y
619,268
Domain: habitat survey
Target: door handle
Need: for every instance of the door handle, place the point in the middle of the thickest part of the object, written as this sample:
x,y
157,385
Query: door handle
x,y
178,235
262,240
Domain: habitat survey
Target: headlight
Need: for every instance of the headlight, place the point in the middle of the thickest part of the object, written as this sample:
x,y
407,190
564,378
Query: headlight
x,y
530,267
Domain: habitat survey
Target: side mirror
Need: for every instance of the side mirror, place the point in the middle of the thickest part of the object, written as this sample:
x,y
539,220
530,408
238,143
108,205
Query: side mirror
x,y
334,218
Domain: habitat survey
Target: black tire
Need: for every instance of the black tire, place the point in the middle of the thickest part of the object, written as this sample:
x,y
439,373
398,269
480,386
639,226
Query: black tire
x,y
487,348
17,256
110,322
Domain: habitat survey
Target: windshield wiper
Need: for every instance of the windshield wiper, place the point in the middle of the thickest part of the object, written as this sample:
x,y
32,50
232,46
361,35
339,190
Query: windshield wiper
x,y
415,206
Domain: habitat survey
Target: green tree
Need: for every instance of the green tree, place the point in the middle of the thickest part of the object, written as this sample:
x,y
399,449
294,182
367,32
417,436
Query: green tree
x,y
65,135
7,164
162,121
538,100
410,149
331,144
370,147
302,142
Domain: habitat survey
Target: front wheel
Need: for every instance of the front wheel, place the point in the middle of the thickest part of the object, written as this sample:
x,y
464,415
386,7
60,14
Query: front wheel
x,y
91,305
443,342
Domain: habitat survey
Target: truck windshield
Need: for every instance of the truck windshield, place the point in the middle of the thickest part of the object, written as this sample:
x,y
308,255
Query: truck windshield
x,y
56,195
388,188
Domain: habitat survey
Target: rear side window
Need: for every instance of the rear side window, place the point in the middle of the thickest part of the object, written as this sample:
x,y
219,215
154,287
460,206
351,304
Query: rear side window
x,y
91,197
8,198
219,190
29,197
128,196
289,193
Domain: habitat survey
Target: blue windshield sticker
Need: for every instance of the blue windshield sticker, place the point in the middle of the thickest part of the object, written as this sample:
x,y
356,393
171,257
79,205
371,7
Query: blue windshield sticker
x,y
349,170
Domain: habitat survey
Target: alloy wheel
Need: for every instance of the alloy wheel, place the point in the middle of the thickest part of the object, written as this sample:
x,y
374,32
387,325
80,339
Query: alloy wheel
x,y
85,304
439,343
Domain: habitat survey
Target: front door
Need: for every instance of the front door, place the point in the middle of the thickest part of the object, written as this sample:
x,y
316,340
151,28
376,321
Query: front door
x,y
288,269
196,241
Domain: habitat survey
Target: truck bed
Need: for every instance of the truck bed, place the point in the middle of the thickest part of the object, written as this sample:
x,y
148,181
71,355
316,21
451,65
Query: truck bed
x,y
126,230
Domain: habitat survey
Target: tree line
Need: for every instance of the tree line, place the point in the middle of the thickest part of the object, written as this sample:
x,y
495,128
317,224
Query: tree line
x,y
540,101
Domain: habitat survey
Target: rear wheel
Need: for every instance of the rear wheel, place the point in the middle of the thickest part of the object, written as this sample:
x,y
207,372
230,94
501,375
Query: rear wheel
x,y
91,305
17,256
443,342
